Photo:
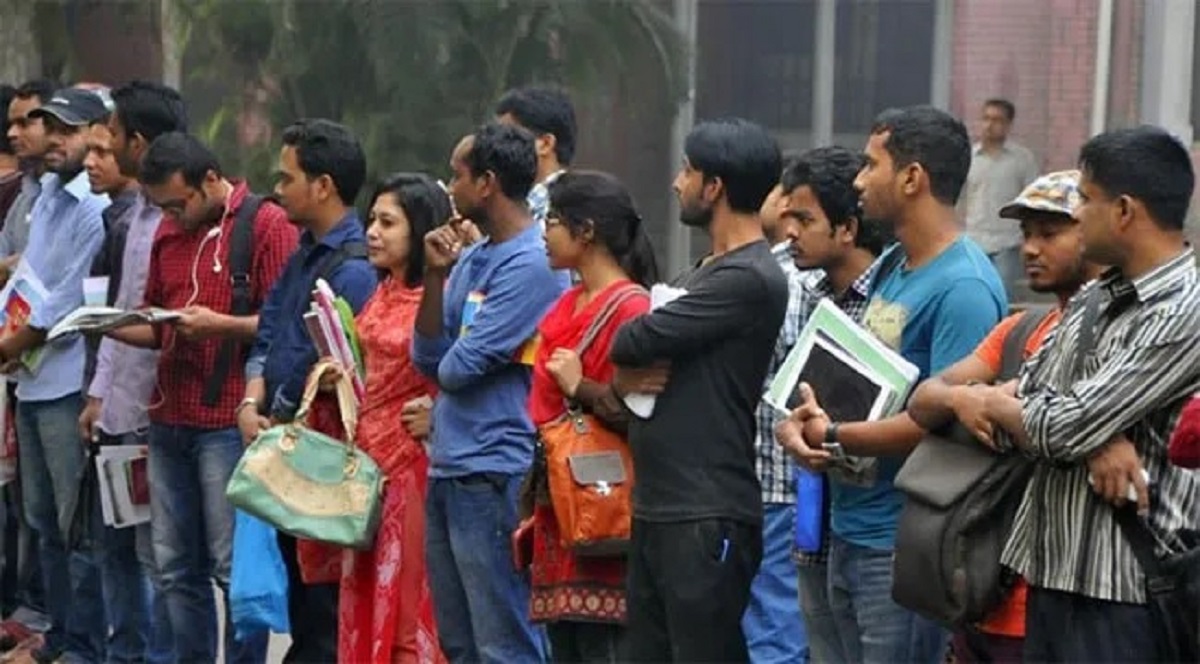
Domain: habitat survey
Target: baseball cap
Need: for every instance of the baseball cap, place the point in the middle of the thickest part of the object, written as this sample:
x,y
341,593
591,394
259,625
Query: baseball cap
x,y
1056,193
74,107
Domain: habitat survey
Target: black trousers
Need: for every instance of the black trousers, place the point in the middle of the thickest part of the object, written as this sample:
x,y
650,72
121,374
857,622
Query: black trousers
x,y
1062,627
689,584
312,612
585,643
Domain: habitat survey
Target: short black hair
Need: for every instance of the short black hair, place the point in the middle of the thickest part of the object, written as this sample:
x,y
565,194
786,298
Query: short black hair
x,y
1145,163
325,147
7,93
41,88
543,110
508,153
830,173
181,153
932,138
426,205
1003,104
150,109
742,153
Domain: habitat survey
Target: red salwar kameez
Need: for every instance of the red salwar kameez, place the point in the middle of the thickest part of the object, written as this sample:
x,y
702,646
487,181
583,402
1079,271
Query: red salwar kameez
x,y
386,611
568,588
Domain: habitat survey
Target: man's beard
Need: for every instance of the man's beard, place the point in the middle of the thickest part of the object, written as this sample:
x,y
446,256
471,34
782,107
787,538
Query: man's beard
x,y
696,216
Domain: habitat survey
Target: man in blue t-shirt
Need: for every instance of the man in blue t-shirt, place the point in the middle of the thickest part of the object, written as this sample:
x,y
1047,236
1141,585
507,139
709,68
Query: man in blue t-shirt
x,y
478,313
934,298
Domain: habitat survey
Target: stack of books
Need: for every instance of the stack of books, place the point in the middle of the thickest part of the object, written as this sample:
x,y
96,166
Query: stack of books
x,y
124,485
330,323
855,377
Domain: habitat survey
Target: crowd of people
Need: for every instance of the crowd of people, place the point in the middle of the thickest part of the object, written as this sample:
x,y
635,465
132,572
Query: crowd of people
x,y
517,295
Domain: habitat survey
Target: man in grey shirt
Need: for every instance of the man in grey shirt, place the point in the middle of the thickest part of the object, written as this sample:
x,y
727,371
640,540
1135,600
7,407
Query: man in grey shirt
x,y
28,139
1000,170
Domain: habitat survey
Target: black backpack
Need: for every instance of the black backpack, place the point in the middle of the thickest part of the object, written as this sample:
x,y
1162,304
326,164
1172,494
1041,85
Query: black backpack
x,y
961,499
241,259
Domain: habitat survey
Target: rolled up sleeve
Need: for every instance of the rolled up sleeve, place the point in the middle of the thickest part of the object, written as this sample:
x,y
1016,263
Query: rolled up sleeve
x,y
1156,367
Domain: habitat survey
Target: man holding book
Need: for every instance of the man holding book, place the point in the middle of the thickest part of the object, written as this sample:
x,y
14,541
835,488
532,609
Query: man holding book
x,y
321,170
120,378
194,441
934,298
828,235
64,234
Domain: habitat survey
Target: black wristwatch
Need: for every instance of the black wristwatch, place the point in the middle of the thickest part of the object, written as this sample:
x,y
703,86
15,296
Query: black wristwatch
x,y
831,432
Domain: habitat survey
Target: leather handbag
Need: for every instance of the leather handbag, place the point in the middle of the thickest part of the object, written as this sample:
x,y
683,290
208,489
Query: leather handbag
x,y
310,485
589,468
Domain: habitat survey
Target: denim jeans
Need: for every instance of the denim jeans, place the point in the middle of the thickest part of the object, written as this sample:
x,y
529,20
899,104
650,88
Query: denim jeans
x,y
773,623
51,465
873,628
481,603
824,644
192,529
137,611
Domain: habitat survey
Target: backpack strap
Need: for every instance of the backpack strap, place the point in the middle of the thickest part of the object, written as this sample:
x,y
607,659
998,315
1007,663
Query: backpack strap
x,y
241,258
1012,356
346,252
606,314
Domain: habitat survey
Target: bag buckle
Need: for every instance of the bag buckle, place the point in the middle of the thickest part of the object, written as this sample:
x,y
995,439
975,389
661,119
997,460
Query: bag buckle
x,y
287,442
603,488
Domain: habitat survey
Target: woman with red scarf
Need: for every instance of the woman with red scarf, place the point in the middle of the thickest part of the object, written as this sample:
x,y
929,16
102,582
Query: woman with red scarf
x,y
593,229
386,612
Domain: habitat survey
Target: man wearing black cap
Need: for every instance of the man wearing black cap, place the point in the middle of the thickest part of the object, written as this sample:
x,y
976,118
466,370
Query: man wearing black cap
x,y
65,233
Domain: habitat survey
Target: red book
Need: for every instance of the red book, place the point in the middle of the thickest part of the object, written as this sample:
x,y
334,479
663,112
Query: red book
x,y
139,482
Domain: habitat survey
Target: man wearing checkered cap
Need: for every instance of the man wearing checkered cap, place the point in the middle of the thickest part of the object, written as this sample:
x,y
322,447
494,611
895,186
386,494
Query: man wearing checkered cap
x,y
1052,251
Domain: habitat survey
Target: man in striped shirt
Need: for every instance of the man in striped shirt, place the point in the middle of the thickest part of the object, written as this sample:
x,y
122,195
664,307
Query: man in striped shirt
x,y
1100,413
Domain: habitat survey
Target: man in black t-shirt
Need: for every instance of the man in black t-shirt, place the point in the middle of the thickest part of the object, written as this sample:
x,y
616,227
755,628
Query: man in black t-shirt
x,y
697,530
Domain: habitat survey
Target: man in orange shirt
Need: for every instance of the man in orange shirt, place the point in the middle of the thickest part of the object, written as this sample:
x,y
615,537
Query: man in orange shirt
x,y
1053,255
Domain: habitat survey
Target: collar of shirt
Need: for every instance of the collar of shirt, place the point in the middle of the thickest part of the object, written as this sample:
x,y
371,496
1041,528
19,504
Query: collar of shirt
x,y
343,232
1149,285
783,252
979,149
860,287
120,204
77,187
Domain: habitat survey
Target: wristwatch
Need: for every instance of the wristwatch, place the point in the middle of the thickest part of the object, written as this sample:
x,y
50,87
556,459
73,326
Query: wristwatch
x,y
248,401
831,431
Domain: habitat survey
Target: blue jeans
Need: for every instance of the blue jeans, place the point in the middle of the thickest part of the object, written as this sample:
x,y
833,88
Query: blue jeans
x,y
873,628
52,462
773,624
192,529
480,601
137,611
824,644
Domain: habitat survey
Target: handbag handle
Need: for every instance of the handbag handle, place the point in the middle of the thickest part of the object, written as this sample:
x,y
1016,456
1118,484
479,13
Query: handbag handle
x,y
345,397
605,315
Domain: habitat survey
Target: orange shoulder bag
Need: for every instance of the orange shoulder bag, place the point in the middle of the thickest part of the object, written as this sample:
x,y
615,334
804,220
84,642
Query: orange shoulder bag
x,y
589,468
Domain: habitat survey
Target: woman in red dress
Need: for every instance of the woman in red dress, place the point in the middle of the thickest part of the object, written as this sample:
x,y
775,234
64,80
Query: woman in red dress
x,y
592,228
386,613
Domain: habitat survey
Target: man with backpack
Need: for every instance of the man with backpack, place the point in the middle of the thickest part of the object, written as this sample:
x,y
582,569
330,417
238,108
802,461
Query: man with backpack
x,y
194,441
1054,263
933,300
321,170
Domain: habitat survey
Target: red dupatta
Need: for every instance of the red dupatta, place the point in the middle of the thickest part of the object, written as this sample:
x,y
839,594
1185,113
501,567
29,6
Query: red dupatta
x,y
563,327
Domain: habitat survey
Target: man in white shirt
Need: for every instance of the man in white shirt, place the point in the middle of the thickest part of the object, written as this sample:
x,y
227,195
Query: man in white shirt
x,y
1000,170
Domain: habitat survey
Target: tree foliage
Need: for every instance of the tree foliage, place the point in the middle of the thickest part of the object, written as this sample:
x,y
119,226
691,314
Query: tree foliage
x,y
409,76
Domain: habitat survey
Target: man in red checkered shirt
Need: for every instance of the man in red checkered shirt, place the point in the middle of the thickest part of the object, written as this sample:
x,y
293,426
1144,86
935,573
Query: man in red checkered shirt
x,y
194,440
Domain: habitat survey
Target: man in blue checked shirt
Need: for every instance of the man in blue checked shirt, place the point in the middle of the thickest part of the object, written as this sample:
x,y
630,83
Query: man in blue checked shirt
x,y
66,230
